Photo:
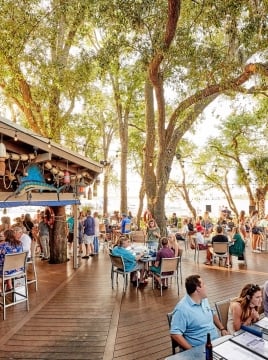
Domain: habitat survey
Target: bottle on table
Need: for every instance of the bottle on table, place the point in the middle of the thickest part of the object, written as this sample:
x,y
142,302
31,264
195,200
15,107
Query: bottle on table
x,y
209,353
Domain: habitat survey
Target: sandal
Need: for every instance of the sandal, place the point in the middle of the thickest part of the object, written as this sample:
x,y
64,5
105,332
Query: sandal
x,y
207,263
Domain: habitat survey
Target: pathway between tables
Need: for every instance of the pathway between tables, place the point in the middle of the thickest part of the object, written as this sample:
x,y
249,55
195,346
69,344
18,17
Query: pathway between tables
x,y
78,322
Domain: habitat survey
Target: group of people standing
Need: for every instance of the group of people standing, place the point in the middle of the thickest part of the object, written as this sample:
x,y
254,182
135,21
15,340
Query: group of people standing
x,y
88,233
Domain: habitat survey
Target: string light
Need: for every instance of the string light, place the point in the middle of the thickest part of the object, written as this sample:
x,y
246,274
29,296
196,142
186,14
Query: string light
x,y
16,136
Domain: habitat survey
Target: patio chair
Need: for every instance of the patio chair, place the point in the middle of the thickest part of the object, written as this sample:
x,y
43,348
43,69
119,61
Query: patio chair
x,y
197,249
174,343
222,308
183,237
220,250
103,237
31,261
118,268
137,236
19,292
169,269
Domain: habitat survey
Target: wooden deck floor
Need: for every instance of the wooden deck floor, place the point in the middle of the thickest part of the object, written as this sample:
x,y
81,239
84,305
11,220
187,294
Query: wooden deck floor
x,y
76,315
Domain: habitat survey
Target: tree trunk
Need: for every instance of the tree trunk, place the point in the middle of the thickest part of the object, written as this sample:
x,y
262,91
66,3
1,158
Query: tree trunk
x,y
123,175
260,197
149,160
141,198
105,188
58,237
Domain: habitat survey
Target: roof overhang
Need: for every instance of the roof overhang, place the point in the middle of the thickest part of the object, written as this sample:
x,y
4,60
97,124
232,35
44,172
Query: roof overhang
x,y
38,199
24,147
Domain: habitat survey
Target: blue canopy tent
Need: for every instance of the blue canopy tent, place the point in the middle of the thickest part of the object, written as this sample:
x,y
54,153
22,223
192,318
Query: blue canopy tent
x,y
10,204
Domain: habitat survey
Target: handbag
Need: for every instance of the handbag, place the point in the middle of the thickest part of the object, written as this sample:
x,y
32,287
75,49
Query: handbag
x,y
255,230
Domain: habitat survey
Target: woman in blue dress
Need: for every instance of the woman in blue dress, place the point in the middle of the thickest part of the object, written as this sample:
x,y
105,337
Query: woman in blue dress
x,y
9,246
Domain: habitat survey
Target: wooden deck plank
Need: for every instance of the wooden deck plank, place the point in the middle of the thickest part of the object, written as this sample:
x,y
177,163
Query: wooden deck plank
x,y
76,315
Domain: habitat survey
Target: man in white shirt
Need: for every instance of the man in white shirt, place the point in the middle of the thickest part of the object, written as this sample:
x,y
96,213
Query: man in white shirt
x,y
25,239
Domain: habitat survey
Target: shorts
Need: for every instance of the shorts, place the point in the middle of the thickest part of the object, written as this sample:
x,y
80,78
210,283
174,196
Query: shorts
x,y
88,239
70,237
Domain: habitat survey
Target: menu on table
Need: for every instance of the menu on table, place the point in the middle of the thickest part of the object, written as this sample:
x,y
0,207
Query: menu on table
x,y
253,343
232,351
263,323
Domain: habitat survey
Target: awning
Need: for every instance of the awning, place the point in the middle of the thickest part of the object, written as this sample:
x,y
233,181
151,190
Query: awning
x,y
9,204
38,199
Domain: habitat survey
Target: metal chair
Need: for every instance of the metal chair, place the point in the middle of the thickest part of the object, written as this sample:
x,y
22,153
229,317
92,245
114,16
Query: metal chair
x,y
103,236
220,250
169,269
118,268
174,343
19,292
184,237
31,261
197,249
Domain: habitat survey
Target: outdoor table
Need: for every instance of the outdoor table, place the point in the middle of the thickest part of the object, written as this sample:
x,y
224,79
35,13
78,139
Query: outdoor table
x,y
197,352
147,261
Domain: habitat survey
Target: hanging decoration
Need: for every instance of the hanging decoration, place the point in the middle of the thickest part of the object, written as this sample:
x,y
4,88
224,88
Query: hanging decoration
x,y
3,154
34,181
66,178
49,216
95,189
89,194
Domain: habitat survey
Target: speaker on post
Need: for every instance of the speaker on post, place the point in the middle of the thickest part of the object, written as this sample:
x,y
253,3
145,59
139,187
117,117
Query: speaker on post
x,y
208,208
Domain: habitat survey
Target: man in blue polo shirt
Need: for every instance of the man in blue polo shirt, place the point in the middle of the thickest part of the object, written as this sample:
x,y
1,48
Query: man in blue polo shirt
x,y
193,318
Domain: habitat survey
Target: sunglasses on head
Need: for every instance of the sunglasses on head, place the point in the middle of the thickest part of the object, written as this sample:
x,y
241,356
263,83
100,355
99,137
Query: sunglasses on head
x,y
253,288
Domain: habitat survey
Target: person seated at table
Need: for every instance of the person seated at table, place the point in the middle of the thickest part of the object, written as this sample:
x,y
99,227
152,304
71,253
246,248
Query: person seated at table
x,y
199,239
9,246
193,317
131,261
237,245
24,238
190,226
207,224
152,234
219,237
245,309
173,244
164,252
